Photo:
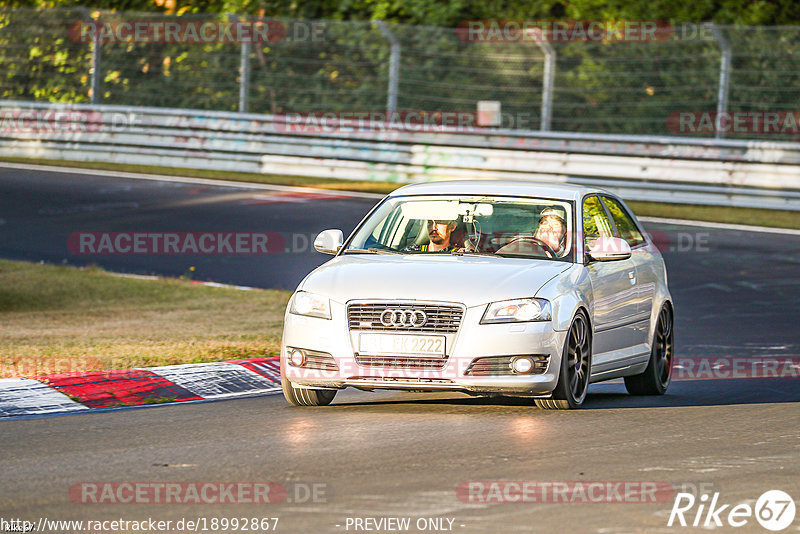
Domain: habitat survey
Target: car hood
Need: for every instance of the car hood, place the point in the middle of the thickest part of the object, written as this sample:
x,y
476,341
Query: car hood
x,y
471,280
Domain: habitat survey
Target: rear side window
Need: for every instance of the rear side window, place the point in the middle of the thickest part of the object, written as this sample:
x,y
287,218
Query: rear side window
x,y
624,222
595,220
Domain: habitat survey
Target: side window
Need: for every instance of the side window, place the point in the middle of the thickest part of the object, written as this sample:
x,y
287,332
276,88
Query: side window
x,y
381,232
624,223
390,230
412,233
595,220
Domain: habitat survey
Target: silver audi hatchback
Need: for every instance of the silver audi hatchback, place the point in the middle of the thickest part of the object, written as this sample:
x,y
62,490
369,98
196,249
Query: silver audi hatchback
x,y
483,287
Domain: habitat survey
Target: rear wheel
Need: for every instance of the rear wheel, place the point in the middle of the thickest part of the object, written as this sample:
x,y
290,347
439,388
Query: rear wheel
x,y
303,396
656,377
576,361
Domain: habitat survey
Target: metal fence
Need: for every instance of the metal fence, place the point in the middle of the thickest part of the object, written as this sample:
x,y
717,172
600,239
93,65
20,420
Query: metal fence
x,y
609,87
665,169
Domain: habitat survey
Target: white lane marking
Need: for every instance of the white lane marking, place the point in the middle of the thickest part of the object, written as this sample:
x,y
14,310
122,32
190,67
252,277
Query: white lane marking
x,y
135,276
216,380
227,286
23,396
189,180
722,226
194,282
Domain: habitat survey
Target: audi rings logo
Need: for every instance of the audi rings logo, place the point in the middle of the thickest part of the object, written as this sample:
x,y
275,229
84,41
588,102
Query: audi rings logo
x,y
399,318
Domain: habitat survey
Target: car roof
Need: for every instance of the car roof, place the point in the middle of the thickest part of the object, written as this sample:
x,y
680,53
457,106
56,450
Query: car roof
x,y
553,190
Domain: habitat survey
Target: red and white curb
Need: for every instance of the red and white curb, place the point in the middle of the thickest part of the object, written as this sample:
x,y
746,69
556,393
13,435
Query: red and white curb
x,y
74,392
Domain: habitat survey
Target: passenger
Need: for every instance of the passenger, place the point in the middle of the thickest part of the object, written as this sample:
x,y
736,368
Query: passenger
x,y
439,236
552,230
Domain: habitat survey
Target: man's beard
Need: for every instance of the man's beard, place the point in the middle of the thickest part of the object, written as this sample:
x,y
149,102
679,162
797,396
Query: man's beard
x,y
436,238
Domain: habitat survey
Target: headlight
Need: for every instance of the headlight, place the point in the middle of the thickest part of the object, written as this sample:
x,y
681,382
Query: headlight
x,y
517,311
312,305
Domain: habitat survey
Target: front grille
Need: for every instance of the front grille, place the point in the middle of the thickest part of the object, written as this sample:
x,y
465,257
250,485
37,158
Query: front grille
x,y
443,319
401,362
501,365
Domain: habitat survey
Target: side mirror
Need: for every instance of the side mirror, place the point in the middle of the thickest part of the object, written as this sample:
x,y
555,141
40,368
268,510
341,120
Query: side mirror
x,y
329,241
610,249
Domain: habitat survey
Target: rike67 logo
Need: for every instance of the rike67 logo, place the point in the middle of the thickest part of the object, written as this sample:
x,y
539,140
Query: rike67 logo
x,y
774,510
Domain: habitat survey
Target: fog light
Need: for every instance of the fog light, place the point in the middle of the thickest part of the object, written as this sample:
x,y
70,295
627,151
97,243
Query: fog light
x,y
297,358
522,365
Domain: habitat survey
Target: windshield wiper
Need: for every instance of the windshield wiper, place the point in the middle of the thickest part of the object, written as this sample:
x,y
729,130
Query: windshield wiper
x,y
467,253
525,256
370,250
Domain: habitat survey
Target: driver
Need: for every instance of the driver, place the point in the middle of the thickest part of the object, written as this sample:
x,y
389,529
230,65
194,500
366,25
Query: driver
x,y
552,229
439,234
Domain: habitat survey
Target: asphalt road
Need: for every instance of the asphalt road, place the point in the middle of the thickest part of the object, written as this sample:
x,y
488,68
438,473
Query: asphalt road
x,y
388,454
39,211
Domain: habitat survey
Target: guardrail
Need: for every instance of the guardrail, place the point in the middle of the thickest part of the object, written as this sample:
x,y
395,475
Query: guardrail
x,y
665,169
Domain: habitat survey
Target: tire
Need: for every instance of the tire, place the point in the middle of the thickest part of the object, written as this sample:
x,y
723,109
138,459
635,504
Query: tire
x,y
303,396
576,364
656,377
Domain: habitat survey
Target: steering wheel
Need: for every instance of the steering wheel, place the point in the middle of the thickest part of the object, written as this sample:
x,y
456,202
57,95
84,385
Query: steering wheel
x,y
538,242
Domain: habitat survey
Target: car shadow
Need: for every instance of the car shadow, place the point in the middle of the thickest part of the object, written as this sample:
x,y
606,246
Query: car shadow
x,y
698,393
612,395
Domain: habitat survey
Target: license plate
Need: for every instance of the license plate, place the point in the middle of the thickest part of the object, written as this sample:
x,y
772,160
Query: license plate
x,y
400,345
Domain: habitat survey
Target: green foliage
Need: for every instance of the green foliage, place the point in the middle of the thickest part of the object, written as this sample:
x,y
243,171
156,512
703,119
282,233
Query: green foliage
x,y
449,14
39,61
756,12
606,87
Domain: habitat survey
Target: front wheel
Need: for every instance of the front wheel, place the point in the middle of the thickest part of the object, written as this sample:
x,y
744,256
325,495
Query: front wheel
x,y
304,396
656,377
576,362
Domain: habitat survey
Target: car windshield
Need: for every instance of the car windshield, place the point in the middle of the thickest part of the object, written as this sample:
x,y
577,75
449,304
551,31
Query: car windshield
x,y
480,225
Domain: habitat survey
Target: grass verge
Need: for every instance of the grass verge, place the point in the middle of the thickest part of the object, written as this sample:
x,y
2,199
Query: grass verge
x,y
750,216
60,319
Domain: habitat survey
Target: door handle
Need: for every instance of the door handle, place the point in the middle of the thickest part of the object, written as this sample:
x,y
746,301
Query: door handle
x,y
632,277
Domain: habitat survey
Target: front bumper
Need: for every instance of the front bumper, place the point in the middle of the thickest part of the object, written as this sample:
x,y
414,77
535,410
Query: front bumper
x,y
473,340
